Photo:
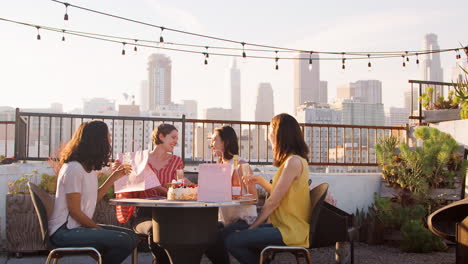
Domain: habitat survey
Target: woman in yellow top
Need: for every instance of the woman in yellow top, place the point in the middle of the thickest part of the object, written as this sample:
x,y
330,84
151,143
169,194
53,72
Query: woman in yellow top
x,y
288,206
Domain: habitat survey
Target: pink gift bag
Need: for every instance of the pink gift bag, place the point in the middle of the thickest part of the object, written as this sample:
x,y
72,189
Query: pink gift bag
x,y
214,182
142,176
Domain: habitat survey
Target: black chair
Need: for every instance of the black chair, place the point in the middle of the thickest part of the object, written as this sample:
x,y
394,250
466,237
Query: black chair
x,y
44,205
317,195
462,241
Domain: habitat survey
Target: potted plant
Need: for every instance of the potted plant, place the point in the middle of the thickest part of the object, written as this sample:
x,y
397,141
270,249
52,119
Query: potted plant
x,y
461,90
438,108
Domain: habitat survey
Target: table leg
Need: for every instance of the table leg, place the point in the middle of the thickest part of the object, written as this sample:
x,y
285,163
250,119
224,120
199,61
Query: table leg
x,y
185,233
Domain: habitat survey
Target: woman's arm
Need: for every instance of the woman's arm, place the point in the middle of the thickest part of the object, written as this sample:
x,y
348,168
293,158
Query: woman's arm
x,y
74,207
118,173
253,180
292,170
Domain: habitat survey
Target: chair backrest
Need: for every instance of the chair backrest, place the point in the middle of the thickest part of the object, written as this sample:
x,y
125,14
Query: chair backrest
x,y
44,205
317,196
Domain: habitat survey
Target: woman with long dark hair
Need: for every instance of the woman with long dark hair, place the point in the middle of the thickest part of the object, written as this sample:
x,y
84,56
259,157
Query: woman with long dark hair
x,y
225,146
71,223
287,207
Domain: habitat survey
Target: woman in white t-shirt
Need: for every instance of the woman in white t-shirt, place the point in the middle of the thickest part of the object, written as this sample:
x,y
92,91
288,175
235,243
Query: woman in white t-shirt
x,y
71,223
224,145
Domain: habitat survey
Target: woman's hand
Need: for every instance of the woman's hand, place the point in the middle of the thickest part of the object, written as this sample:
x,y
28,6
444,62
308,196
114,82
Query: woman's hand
x,y
120,171
115,165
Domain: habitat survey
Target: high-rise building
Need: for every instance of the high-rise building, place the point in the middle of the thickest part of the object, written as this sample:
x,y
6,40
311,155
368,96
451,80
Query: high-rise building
x,y
323,92
355,112
431,69
457,72
396,116
307,79
159,80
264,109
366,91
235,81
99,106
217,113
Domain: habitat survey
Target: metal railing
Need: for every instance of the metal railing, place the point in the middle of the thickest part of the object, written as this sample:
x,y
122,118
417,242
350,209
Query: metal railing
x,y
40,135
440,89
7,138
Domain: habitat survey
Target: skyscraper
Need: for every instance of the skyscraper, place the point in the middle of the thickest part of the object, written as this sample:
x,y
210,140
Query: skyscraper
x,y
366,91
159,80
430,63
306,80
235,79
264,109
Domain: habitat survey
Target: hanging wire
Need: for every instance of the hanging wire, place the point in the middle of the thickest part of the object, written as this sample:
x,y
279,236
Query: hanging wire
x,y
207,54
404,64
63,34
161,39
135,49
369,65
407,58
243,50
417,58
123,48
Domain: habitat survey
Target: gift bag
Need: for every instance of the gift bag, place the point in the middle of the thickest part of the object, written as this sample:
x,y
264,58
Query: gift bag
x,y
214,182
142,176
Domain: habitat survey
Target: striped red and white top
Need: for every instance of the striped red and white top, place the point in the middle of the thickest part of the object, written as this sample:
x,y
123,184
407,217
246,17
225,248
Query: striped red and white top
x,y
165,176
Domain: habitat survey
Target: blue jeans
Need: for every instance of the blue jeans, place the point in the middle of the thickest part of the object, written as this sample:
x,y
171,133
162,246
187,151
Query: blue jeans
x,y
217,253
246,245
114,243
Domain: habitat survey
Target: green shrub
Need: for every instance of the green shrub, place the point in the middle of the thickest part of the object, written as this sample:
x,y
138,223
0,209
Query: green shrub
x,y
48,183
417,238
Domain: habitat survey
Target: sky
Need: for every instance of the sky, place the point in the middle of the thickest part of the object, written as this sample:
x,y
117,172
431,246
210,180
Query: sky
x,y
34,74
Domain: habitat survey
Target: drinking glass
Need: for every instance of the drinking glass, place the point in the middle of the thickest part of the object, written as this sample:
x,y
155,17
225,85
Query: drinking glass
x,y
180,175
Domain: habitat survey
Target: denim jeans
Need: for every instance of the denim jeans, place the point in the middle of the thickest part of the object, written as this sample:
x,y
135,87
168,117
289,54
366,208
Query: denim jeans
x,y
246,245
114,243
217,253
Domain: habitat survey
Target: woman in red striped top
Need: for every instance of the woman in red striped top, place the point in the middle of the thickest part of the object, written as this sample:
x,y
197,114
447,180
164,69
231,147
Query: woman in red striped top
x,y
164,164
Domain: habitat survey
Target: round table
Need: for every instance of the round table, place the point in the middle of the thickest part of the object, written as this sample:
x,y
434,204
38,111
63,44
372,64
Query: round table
x,y
184,228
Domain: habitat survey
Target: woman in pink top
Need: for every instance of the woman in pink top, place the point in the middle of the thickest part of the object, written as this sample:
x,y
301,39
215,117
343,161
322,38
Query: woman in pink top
x,y
164,164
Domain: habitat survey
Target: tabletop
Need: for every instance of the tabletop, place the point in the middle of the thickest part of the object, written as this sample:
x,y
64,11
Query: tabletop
x,y
158,202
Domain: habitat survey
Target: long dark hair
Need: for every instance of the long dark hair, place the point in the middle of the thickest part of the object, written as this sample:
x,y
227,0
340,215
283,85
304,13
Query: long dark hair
x,y
229,138
89,146
164,129
289,139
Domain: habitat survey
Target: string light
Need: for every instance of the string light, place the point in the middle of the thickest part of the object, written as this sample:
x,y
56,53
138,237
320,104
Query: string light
x,y
123,48
417,58
369,65
407,58
343,67
161,39
38,34
207,55
206,58
65,17
243,50
457,54
310,61
135,49
63,34
404,64
276,60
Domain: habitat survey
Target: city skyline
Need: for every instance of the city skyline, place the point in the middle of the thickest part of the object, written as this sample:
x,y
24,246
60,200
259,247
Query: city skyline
x,y
49,70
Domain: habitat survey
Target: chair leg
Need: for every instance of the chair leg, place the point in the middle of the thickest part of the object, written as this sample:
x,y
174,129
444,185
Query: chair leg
x,y
135,256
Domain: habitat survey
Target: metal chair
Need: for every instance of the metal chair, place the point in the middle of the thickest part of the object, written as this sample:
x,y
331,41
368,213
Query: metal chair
x,y
44,205
317,195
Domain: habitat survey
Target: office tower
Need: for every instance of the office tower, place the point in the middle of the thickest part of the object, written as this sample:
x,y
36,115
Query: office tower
x,y
366,91
306,79
159,80
99,106
457,72
323,92
235,79
264,109
430,63
355,112
396,116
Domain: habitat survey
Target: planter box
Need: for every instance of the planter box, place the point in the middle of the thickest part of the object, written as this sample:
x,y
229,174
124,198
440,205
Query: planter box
x,y
453,194
22,226
435,116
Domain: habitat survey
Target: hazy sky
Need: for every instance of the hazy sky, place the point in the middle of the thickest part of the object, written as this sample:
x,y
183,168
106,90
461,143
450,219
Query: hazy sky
x,y
35,73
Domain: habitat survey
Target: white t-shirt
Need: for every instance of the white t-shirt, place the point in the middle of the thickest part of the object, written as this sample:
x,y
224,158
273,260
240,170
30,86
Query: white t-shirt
x,y
231,214
73,179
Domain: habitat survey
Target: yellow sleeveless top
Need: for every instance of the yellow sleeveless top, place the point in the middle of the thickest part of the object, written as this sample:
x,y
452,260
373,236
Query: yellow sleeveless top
x,y
292,215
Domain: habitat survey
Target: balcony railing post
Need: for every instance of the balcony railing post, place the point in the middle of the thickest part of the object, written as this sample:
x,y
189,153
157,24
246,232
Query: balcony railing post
x,y
183,139
17,137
